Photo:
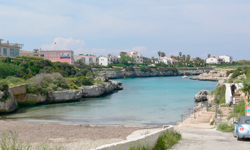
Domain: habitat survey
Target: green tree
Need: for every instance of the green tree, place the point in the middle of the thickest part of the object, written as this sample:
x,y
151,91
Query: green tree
x,y
208,55
123,53
163,54
126,59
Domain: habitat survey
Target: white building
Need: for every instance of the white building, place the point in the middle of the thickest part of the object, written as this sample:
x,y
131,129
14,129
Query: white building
x,y
9,49
226,58
106,60
168,60
138,58
214,60
87,59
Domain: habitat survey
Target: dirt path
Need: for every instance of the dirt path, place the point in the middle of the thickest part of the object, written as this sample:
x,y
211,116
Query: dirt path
x,y
208,139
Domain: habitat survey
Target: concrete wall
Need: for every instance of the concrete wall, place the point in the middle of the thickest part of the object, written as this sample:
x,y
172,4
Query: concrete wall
x,y
146,140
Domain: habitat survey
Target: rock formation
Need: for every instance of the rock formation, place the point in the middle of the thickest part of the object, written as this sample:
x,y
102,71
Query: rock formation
x,y
201,96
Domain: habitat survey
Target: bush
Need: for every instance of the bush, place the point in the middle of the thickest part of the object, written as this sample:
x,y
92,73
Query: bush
x,y
224,127
144,68
7,69
83,81
167,140
236,74
44,83
4,88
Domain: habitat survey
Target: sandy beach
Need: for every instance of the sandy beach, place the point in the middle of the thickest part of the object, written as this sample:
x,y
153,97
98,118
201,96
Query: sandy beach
x,y
69,136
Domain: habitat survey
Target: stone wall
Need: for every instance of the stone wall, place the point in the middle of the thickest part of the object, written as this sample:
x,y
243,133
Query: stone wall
x,y
144,140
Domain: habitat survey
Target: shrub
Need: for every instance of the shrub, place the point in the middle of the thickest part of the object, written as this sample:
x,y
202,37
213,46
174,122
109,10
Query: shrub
x,y
15,80
83,81
43,83
7,69
236,74
224,127
167,139
4,88
144,68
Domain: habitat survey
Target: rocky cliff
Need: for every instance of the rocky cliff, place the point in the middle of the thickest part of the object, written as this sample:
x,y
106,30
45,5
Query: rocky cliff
x,y
115,74
17,95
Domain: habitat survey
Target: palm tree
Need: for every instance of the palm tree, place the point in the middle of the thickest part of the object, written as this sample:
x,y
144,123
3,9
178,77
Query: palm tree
x,y
153,60
208,55
180,53
159,53
35,50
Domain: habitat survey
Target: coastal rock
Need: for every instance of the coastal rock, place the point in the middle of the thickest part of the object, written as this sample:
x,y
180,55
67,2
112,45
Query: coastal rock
x,y
92,91
63,96
201,96
9,104
33,99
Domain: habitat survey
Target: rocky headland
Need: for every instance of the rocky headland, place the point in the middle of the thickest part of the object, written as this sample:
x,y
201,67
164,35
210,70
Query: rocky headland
x,y
18,95
116,74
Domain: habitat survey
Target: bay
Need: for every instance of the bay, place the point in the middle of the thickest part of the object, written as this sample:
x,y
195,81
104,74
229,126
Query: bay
x,y
143,101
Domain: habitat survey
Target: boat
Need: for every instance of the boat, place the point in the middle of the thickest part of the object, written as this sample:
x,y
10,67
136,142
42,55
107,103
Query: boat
x,y
184,76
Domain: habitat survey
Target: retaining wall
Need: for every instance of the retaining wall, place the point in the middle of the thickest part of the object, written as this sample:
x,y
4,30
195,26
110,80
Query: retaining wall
x,y
146,140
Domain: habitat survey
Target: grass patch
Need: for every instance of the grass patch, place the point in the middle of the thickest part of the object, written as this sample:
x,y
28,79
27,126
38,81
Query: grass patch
x,y
9,141
165,141
224,127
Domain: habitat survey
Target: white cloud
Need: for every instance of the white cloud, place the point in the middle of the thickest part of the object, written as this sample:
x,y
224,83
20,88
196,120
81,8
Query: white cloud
x,y
60,43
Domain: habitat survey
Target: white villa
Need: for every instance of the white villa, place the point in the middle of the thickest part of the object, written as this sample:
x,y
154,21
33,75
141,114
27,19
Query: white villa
x,y
227,58
9,49
106,60
138,58
87,59
168,60
219,60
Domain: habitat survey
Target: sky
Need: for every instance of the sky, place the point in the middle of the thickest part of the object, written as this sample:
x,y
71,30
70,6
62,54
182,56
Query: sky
x,y
98,27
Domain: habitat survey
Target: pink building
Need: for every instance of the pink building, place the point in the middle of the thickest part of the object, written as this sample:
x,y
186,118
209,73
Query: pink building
x,y
58,55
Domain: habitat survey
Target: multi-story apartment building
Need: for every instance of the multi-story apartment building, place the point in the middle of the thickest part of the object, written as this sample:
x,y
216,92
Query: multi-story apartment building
x,y
87,59
106,60
9,49
138,58
58,55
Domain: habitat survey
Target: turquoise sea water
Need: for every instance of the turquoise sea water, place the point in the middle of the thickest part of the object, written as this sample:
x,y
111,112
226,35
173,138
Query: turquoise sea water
x,y
143,101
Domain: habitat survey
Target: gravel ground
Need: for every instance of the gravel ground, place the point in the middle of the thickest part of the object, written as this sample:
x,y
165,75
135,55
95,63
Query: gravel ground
x,y
208,139
71,136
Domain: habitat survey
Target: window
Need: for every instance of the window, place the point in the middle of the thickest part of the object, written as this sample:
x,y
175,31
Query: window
x,y
12,53
16,52
90,59
247,121
4,51
42,55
